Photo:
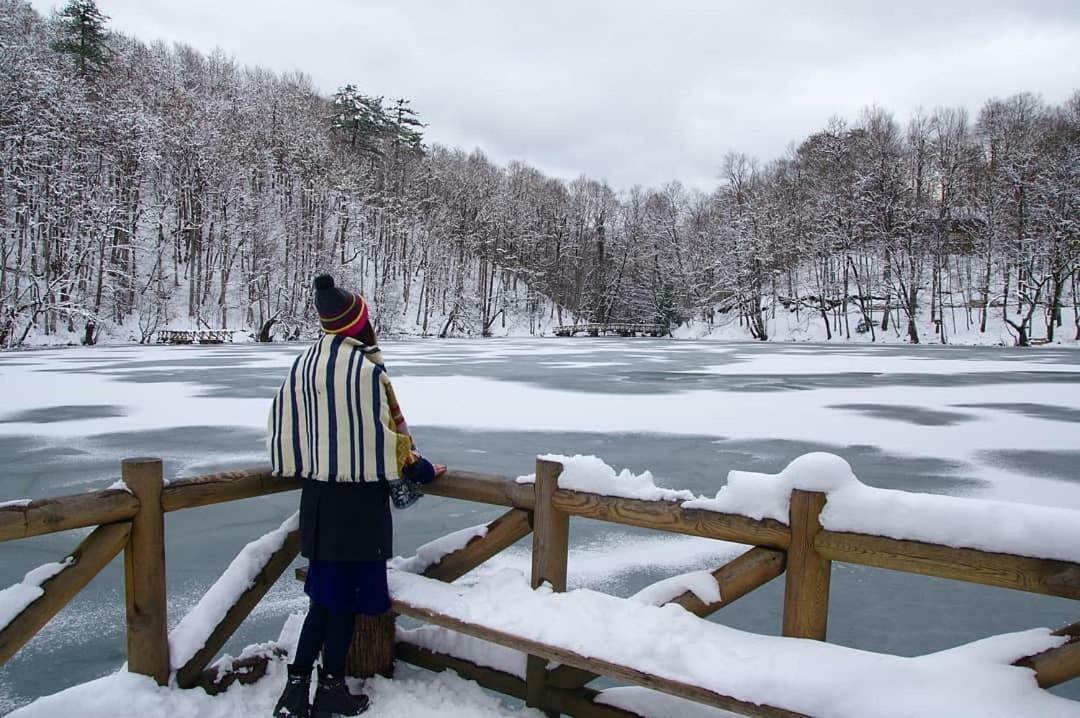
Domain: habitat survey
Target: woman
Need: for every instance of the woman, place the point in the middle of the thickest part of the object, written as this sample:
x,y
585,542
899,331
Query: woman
x,y
336,423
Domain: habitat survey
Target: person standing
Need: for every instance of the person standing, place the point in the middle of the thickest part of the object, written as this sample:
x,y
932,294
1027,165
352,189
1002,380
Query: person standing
x,y
336,423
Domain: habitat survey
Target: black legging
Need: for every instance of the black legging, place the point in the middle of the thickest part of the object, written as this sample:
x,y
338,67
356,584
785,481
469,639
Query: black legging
x,y
329,632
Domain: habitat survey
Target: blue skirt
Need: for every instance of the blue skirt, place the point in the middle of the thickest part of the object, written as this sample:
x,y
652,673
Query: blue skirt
x,y
349,586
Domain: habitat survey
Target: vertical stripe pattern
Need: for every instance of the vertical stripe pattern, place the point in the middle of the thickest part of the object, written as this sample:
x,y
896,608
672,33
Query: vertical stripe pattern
x,y
332,418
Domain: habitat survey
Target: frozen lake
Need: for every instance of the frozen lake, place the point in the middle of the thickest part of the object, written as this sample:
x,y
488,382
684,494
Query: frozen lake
x,y
985,422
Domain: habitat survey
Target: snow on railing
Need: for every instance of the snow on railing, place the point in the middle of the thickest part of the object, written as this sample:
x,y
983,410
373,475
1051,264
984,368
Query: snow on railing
x,y
191,634
807,677
433,552
851,506
15,598
813,512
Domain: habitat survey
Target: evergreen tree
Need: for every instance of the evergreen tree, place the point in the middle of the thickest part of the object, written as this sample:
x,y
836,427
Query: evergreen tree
x,y
82,34
361,118
406,126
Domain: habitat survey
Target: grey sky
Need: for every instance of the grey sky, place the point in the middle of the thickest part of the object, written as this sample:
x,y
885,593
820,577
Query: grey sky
x,y
637,92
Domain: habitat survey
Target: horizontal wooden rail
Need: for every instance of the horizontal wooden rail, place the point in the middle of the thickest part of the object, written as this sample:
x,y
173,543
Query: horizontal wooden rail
x,y
94,508
1037,575
482,488
490,678
596,665
735,579
670,516
62,513
225,486
43,516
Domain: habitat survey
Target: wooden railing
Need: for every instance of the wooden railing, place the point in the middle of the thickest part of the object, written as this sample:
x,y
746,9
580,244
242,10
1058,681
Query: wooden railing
x,y
622,329
131,520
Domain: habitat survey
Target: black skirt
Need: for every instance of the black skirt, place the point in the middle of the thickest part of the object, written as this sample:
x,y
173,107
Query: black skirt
x,y
345,521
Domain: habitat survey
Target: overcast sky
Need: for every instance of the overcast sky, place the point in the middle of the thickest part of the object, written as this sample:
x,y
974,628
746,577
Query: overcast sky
x,y
637,92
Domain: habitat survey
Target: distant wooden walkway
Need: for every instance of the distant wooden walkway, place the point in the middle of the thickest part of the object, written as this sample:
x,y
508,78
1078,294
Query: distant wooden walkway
x,y
623,329
195,336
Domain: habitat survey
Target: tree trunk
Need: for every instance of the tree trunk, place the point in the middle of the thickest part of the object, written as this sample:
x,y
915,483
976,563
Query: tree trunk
x,y
264,331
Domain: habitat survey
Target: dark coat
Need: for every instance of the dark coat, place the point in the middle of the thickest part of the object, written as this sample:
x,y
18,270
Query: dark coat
x,y
346,521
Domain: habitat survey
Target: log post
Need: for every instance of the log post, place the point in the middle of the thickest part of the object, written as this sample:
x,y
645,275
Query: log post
x,y
372,649
550,546
806,592
144,573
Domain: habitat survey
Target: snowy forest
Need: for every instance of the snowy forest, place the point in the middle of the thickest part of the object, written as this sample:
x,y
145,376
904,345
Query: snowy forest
x,y
152,186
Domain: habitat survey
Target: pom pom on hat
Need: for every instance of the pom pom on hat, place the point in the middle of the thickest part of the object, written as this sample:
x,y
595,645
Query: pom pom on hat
x,y
340,312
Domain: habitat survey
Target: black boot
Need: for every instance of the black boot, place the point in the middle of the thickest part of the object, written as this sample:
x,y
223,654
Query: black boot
x,y
294,699
332,698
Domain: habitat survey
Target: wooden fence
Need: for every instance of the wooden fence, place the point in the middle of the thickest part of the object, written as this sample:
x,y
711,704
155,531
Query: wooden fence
x,y
132,522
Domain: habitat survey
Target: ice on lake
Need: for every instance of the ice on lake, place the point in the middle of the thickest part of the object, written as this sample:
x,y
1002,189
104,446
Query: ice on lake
x,y
985,422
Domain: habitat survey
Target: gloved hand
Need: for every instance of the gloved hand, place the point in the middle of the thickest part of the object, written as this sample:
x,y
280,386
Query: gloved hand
x,y
420,471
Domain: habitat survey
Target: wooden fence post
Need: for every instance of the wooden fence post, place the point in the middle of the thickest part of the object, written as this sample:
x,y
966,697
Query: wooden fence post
x,y
144,573
806,591
550,546
372,648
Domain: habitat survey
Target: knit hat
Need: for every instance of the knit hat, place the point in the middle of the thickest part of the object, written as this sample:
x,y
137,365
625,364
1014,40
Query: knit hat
x,y
340,312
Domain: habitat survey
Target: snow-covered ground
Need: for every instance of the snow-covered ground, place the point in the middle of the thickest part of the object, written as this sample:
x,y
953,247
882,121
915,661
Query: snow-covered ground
x,y
998,424
961,328
412,693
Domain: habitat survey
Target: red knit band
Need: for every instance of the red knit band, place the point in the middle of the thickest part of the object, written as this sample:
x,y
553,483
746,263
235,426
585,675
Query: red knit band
x,y
351,321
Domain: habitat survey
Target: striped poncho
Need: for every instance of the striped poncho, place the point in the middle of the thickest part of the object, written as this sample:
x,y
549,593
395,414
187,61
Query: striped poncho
x,y
335,418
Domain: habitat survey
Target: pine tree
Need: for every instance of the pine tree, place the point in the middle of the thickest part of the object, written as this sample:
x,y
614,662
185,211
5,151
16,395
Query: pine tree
x,y
361,118
406,126
83,34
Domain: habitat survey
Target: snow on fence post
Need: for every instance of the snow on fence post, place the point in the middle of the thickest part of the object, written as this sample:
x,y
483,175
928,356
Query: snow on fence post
x,y
550,550
806,590
144,572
